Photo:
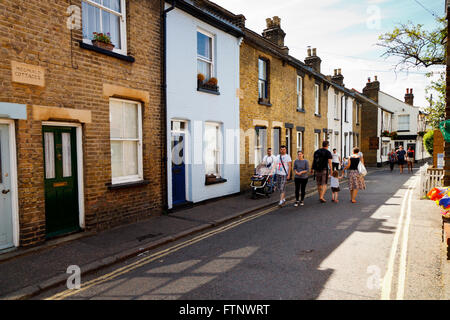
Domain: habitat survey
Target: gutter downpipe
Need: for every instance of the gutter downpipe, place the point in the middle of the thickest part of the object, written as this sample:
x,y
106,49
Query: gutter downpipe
x,y
165,192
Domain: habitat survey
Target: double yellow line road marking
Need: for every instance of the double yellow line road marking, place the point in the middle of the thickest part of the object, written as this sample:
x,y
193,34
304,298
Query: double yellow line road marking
x,y
137,264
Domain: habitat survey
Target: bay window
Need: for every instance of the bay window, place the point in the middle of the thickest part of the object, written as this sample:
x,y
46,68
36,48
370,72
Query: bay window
x,y
105,16
126,141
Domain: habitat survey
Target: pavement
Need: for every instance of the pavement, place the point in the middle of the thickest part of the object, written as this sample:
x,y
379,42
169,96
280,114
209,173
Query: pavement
x,y
27,272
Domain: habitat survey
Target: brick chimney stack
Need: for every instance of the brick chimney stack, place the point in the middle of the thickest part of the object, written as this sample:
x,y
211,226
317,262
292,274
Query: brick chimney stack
x,y
338,78
274,33
312,60
409,97
371,89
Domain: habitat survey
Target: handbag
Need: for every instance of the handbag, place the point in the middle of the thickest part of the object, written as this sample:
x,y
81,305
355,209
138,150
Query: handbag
x,y
362,169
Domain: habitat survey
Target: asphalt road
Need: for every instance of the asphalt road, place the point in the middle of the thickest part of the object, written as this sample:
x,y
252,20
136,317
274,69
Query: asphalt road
x,y
386,246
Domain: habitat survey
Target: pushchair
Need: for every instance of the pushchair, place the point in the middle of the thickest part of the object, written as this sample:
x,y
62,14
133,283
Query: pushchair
x,y
262,182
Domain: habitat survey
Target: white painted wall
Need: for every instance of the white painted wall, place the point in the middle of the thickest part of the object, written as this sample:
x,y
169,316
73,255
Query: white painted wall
x,y
184,102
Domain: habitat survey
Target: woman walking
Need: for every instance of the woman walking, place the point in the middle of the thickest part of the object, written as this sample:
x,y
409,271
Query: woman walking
x,y
355,179
301,169
392,159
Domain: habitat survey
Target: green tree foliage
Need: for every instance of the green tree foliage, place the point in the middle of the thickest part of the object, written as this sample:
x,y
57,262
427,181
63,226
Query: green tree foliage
x,y
428,141
416,46
436,98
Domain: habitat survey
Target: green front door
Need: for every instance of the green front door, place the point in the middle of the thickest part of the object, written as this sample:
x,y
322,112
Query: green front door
x,y
60,176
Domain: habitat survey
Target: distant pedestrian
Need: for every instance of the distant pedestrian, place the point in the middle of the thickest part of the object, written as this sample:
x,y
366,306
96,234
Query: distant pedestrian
x,y
334,183
410,159
283,172
322,166
301,169
336,161
355,179
401,156
344,165
392,159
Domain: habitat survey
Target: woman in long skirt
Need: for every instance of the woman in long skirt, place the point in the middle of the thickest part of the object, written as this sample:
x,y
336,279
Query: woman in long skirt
x,y
355,179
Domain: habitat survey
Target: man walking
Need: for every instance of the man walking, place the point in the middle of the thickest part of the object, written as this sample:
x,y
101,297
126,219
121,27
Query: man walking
x,y
336,160
269,158
283,172
321,166
401,155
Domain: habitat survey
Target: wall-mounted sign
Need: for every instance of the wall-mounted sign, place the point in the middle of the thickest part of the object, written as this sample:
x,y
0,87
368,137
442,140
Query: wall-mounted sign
x,y
28,74
374,143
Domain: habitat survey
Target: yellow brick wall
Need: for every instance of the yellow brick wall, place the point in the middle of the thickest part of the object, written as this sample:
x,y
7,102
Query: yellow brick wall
x,y
283,97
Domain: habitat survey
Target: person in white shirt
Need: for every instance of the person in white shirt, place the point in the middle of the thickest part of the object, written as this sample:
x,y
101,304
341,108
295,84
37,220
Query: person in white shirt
x,y
336,161
283,172
269,159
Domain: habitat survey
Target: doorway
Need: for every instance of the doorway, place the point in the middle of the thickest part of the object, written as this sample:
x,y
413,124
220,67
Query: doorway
x,y
178,145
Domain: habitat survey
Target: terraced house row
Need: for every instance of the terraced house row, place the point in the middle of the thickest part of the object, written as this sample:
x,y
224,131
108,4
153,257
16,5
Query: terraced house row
x,y
112,111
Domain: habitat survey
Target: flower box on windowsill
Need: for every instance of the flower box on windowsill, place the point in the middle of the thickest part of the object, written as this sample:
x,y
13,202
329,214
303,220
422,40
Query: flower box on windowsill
x,y
264,102
212,179
207,87
103,45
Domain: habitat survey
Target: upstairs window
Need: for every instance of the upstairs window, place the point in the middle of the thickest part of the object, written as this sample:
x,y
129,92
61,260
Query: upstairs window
x,y
345,100
205,54
403,123
105,16
336,106
299,93
316,99
262,80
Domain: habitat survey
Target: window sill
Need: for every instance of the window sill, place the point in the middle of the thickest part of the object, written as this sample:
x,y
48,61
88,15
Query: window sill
x,y
216,181
126,185
301,110
264,102
336,119
318,115
357,123
208,91
106,52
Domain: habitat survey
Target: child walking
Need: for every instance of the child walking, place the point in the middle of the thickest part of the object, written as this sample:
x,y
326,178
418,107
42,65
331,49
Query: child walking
x,y
335,186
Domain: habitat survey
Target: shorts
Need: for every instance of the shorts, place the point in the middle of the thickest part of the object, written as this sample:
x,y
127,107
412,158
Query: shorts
x,y
401,162
335,189
335,166
322,177
281,183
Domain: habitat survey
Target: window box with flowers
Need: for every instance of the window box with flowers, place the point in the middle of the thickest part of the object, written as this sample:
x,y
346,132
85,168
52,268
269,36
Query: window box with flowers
x,y
103,41
385,133
393,135
208,86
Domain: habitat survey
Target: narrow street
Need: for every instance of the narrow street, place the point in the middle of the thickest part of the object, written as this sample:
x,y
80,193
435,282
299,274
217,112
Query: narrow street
x,y
386,246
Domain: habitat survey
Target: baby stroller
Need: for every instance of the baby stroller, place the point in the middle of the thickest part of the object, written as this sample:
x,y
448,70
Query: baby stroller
x,y
262,181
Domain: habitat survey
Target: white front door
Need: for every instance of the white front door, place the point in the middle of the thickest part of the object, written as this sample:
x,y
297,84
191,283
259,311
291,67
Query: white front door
x,y
6,203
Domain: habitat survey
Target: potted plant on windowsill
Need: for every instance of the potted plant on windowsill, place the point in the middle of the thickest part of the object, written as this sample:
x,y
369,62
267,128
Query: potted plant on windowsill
x,y
210,178
393,135
103,41
210,85
385,133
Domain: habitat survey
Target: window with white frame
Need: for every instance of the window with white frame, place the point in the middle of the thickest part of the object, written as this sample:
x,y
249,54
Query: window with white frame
x,y
357,113
345,101
212,148
299,93
316,140
403,123
263,90
105,16
336,141
336,106
300,141
260,144
205,54
316,99
126,140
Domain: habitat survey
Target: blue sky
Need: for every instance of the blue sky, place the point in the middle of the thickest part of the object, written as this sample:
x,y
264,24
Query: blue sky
x,y
345,33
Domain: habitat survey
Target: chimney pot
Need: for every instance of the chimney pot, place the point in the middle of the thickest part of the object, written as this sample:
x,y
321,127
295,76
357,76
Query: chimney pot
x,y
376,78
309,52
314,52
339,71
368,80
410,91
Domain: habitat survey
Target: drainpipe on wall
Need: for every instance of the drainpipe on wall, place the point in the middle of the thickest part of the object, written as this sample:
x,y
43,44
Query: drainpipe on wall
x,y
164,100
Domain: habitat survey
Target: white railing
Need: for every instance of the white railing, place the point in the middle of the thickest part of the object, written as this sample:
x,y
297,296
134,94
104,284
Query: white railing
x,y
430,178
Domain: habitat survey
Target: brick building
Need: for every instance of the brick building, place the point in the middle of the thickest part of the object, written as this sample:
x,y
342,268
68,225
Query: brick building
x,y
86,122
283,100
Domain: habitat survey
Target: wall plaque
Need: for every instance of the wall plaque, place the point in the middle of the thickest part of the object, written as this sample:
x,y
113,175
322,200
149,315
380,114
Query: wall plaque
x,y
28,74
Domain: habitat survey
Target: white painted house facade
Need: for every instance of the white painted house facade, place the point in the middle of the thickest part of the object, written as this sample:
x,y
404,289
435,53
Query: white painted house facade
x,y
202,74
340,117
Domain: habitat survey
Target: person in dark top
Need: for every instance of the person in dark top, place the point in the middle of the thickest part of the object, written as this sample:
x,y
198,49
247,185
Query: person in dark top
x,y
392,159
321,166
301,169
401,158
410,159
355,179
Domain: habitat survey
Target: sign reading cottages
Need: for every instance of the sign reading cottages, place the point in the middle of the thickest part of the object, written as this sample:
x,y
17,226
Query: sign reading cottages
x,y
28,74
